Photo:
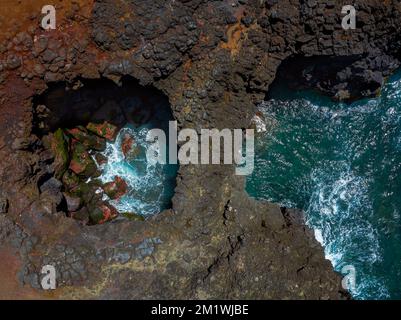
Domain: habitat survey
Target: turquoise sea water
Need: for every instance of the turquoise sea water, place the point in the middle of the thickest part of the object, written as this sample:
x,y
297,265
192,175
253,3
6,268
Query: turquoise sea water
x,y
150,186
341,164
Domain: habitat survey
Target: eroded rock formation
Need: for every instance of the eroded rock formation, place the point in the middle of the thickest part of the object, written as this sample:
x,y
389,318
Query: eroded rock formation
x,y
214,60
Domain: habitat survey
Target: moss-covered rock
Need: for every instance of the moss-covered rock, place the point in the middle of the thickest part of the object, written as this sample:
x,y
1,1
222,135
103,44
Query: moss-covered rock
x,y
81,162
105,130
70,181
81,215
102,213
133,216
115,189
89,140
59,146
126,144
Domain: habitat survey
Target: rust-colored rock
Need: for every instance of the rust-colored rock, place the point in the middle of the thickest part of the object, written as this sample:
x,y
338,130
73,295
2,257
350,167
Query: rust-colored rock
x,y
81,162
104,212
115,189
59,146
127,144
104,130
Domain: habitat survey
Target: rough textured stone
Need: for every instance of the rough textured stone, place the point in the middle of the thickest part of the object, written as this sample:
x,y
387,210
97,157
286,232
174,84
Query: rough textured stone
x,y
104,130
60,149
81,162
214,61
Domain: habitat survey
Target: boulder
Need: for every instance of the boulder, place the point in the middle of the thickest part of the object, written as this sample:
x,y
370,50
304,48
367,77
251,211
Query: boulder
x,y
51,185
115,189
59,146
70,181
104,130
104,212
49,201
89,140
127,144
81,162
133,216
73,202
81,215
100,159
89,192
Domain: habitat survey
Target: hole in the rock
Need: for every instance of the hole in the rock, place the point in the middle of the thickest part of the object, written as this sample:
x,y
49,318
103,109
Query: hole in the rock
x,y
340,163
96,131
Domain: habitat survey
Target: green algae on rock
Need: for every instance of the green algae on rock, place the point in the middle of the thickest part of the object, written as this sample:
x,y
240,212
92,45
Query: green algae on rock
x,y
59,145
89,140
102,213
81,162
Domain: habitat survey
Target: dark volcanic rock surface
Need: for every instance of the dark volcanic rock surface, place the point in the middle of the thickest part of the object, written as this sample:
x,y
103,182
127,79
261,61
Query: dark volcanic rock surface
x,y
214,60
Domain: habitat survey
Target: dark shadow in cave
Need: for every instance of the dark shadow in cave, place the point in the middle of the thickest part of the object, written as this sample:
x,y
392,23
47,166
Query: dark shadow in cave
x,y
65,117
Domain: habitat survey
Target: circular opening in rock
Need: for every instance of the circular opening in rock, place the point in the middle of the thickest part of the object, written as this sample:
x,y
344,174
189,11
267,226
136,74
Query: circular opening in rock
x,y
94,132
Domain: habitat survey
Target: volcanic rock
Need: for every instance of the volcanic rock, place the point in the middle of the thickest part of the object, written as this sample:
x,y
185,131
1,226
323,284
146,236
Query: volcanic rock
x,y
3,203
81,215
104,212
104,130
81,162
73,203
59,146
100,159
70,180
115,189
133,216
90,141
214,67
127,144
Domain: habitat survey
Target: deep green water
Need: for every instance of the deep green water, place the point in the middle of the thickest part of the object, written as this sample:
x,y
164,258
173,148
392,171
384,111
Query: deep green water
x,y
342,165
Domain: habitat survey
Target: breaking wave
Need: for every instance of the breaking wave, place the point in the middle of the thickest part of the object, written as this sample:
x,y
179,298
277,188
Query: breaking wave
x,y
342,165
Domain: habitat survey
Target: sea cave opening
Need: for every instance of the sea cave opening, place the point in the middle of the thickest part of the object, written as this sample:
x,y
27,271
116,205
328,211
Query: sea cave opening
x,y
339,162
95,133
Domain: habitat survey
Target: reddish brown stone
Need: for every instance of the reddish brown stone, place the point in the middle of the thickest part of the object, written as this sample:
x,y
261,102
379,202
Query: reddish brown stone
x,y
115,189
100,159
59,146
103,213
104,130
89,140
81,215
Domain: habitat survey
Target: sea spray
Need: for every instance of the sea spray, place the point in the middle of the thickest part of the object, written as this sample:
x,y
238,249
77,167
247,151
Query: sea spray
x,y
341,164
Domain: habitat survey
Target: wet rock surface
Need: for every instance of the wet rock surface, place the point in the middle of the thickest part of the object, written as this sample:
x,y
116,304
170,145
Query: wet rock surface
x,y
214,60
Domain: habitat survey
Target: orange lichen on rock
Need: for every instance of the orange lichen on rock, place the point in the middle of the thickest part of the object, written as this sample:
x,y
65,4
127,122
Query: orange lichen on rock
x,y
234,34
10,286
127,144
23,15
